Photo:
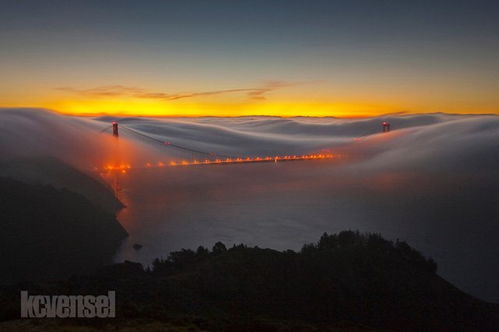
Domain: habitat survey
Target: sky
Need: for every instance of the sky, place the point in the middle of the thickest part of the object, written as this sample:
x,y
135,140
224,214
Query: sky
x,y
233,58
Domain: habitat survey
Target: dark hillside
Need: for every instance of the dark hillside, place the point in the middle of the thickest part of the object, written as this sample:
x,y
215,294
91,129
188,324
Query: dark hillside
x,y
51,171
48,233
346,281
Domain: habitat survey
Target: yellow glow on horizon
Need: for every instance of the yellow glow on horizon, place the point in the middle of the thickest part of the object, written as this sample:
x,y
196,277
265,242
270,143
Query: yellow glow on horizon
x,y
136,107
286,106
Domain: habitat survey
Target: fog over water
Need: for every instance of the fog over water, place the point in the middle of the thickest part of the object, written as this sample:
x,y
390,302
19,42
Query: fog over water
x,y
432,181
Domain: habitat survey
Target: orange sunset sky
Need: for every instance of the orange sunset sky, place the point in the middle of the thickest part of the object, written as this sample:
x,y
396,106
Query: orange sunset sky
x,y
291,58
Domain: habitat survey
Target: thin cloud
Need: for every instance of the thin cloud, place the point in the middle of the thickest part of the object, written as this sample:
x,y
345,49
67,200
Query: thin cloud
x,y
255,93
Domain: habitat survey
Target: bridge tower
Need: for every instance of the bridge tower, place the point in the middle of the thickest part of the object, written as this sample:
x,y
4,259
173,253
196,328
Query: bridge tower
x,y
115,129
386,126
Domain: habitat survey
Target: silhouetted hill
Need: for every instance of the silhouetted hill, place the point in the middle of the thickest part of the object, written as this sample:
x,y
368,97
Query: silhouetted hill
x,y
345,281
51,171
48,233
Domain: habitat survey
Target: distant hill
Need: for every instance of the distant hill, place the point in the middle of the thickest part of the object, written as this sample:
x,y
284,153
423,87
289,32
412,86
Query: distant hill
x,y
346,281
48,233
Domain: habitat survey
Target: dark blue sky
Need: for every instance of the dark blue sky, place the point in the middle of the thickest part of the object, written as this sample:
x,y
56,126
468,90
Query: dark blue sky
x,y
256,21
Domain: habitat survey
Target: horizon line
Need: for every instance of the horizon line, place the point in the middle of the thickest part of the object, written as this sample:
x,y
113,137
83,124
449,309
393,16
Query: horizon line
x,y
361,116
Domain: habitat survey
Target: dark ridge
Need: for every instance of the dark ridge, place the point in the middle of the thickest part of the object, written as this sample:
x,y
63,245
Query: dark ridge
x,y
48,233
51,171
346,281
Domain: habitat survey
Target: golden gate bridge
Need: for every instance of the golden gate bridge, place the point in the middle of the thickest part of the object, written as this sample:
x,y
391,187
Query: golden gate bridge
x,y
209,158
204,157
